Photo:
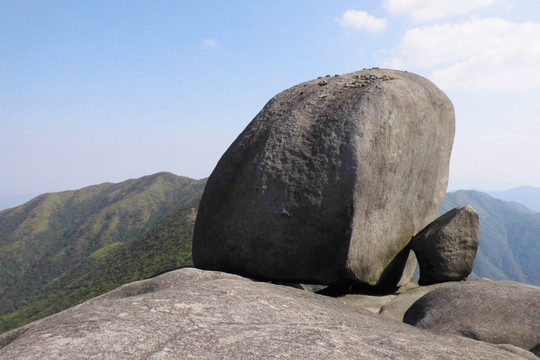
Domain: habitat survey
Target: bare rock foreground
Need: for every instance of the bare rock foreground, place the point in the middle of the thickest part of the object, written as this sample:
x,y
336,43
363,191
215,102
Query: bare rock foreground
x,y
195,314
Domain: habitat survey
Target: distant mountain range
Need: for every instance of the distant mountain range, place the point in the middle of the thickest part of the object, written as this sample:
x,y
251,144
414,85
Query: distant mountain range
x,y
61,249
526,195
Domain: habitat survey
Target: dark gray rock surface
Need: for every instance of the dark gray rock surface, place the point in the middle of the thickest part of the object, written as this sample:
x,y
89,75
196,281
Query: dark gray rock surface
x,y
499,312
447,247
197,314
330,181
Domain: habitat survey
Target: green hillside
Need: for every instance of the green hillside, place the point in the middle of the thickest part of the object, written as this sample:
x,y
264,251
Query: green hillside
x,y
166,247
509,237
62,233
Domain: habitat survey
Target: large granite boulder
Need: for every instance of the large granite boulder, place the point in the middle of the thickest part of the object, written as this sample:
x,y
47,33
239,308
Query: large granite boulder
x,y
447,247
499,312
330,181
194,314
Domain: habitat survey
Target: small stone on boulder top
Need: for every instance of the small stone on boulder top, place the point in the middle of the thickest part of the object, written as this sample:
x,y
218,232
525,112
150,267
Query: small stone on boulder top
x,y
329,182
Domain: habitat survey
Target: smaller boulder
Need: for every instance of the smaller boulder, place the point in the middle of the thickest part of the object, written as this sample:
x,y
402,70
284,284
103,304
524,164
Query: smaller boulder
x,y
447,247
498,312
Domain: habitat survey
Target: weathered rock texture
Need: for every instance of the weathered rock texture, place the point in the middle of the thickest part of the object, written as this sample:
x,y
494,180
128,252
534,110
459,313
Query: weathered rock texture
x,y
398,306
193,314
330,181
499,312
447,247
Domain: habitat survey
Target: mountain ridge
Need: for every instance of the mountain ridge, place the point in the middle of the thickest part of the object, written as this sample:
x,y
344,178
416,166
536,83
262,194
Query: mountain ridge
x,y
53,232
11,201
166,247
526,195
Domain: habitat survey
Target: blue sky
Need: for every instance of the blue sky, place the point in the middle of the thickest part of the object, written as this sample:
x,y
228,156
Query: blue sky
x,y
103,91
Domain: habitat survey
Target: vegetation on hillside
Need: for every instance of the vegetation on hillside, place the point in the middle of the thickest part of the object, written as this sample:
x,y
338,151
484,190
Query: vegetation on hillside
x,y
65,234
166,247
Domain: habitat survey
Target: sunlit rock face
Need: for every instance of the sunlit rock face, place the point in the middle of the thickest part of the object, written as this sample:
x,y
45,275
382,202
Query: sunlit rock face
x,y
330,181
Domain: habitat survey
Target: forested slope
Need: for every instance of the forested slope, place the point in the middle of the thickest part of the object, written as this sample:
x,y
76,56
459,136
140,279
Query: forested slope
x,y
54,235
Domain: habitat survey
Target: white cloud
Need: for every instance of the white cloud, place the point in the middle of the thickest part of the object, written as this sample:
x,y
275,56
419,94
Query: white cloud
x,y
361,20
489,53
427,10
211,43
